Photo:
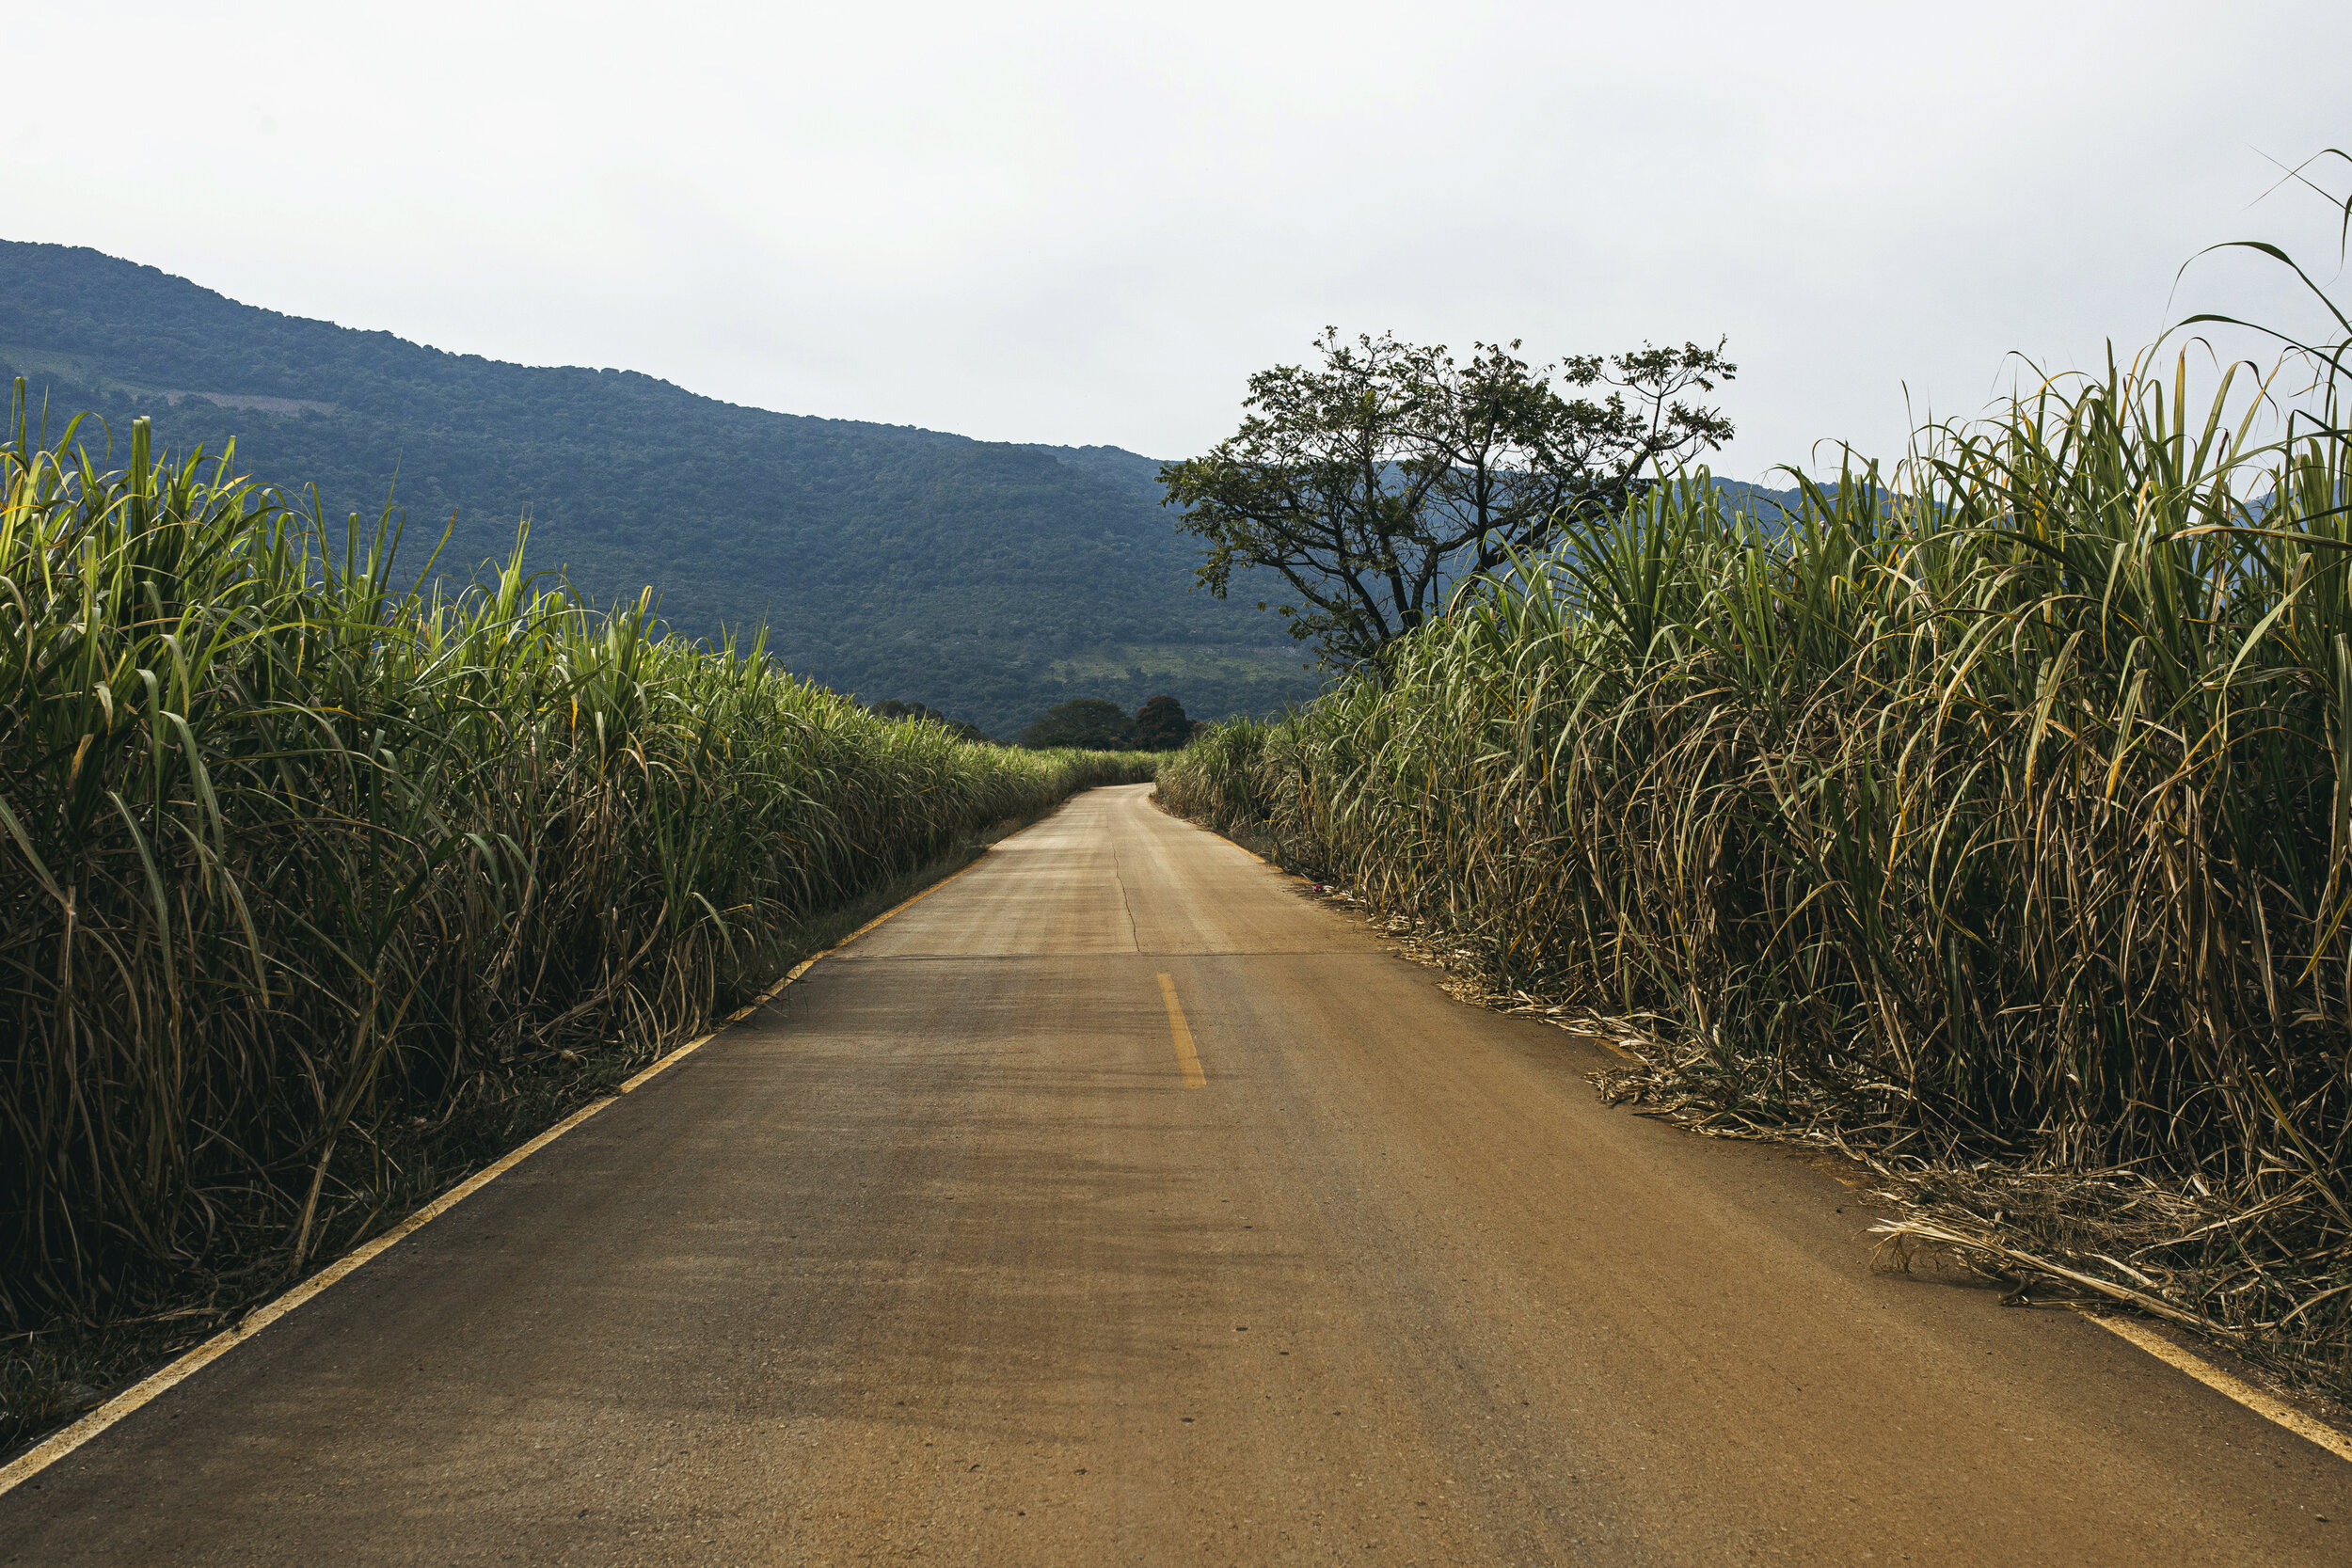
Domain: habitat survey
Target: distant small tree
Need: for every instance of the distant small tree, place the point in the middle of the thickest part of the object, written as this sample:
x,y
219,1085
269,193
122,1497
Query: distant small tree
x,y
1088,723
1161,725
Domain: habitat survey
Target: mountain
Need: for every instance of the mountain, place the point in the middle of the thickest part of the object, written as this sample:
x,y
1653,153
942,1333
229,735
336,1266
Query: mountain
x,y
988,580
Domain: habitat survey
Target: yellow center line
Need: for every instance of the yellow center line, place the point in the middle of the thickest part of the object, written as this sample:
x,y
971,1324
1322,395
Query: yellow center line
x,y
1187,1057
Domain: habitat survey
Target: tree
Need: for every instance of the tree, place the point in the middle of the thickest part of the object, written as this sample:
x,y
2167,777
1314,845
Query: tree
x,y
890,708
1088,723
1161,725
1375,482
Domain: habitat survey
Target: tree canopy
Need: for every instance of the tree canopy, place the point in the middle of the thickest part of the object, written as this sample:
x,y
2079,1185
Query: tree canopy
x,y
892,707
1375,480
1089,722
1161,725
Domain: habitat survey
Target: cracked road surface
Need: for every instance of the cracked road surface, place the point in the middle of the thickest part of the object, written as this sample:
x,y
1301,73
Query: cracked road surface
x,y
938,1258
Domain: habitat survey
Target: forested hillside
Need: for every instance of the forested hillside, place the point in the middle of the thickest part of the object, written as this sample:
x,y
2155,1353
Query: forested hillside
x,y
987,579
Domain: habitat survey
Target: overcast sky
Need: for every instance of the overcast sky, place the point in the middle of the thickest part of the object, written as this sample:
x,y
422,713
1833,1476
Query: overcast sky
x,y
1090,223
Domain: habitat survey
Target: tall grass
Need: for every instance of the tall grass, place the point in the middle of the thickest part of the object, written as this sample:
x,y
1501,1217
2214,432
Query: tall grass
x,y
291,858
1217,780
2001,810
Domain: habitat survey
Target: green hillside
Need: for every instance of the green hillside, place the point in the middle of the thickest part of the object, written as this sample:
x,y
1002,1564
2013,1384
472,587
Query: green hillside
x,y
988,580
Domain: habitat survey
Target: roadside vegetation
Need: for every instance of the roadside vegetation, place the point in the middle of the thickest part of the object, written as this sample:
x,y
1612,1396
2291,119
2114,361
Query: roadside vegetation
x,y
1989,818
315,895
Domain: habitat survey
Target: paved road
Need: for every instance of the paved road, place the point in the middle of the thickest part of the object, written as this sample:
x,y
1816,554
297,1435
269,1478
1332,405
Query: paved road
x,y
941,1259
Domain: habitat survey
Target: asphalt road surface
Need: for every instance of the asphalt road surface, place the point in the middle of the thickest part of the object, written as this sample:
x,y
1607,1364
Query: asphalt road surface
x,y
952,1254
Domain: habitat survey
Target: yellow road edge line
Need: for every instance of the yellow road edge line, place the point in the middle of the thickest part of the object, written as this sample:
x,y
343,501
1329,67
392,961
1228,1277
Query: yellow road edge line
x,y
40,1457
2213,1377
806,964
1187,1057
639,1080
35,1460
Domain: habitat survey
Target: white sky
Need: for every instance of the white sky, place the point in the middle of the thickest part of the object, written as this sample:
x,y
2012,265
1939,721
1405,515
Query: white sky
x,y
1090,223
